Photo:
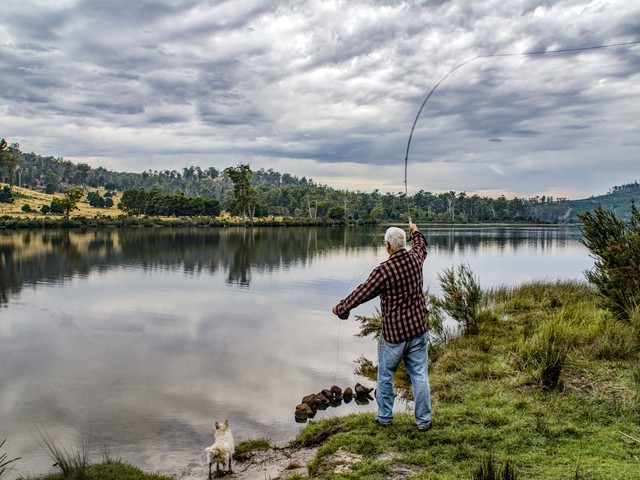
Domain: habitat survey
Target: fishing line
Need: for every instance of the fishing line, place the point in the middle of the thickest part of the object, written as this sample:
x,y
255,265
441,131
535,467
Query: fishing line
x,y
457,67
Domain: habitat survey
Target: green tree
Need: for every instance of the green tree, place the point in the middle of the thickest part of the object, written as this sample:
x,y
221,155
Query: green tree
x,y
244,194
9,160
133,201
615,246
51,181
336,212
70,200
377,212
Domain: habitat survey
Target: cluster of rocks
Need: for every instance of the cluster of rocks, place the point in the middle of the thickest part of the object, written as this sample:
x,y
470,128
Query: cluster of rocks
x,y
331,397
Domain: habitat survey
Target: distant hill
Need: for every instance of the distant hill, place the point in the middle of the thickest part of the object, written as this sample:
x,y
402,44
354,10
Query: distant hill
x,y
618,199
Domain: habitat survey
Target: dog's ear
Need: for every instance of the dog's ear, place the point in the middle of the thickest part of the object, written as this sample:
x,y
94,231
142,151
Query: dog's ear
x,y
226,423
217,425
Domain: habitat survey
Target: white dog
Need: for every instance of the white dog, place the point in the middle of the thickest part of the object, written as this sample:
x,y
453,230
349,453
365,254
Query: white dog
x,y
222,449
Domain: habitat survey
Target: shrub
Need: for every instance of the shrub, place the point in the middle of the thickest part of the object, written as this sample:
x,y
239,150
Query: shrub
x,y
336,213
26,208
615,246
6,195
461,296
56,206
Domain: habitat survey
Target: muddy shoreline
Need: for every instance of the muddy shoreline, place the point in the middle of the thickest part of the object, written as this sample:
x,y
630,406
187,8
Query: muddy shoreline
x,y
274,463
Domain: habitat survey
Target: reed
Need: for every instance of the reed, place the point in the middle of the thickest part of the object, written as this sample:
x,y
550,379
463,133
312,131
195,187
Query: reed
x,y
4,462
73,462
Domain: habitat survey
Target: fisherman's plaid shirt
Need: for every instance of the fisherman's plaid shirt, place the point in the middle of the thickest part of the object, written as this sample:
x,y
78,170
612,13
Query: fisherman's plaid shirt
x,y
398,281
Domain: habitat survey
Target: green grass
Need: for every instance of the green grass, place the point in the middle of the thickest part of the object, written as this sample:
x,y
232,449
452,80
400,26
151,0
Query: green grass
x,y
243,450
490,399
108,470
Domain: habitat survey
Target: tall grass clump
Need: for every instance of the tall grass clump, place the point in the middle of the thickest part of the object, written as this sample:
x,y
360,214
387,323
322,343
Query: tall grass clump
x,y
462,296
547,350
490,470
610,338
3,459
72,462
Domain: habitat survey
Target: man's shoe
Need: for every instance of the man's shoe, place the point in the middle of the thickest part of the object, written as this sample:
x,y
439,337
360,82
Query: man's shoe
x,y
424,428
383,424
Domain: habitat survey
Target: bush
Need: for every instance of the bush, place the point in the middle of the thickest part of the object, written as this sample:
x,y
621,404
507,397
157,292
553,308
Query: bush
x,y
461,296
336,213
6,195
615,245
56,206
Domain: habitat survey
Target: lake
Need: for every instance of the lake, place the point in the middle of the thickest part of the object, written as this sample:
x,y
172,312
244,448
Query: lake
x,y
139,339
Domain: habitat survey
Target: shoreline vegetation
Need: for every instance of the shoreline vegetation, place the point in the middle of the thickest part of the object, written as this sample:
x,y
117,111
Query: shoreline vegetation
x,y
26,209
546,387
86,216
12,223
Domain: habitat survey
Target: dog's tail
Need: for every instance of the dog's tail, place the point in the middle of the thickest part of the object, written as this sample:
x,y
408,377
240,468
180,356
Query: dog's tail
x,y
213,452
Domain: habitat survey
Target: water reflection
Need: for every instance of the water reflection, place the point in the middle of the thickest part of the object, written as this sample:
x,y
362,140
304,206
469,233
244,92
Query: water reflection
x,y
144,337
31,257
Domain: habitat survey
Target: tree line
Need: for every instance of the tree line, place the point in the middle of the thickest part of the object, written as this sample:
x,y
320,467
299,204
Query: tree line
x,y
241,191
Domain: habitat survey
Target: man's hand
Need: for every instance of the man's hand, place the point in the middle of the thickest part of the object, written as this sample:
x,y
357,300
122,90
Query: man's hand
x,y
335,312
412,227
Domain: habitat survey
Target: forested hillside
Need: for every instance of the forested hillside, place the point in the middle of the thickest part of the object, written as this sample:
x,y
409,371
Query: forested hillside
x,y
618,200
275,193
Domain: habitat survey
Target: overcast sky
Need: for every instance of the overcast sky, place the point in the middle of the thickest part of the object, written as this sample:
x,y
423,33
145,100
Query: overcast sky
x,y
330,89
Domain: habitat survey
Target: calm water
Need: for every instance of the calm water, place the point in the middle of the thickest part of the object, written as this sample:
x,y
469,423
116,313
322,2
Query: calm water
x,y
141,338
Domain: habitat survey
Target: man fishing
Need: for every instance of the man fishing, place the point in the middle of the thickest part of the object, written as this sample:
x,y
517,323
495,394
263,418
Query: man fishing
x,y
398,282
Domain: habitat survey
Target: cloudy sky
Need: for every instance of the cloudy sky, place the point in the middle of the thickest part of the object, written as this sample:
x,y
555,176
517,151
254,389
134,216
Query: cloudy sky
x,y
330,89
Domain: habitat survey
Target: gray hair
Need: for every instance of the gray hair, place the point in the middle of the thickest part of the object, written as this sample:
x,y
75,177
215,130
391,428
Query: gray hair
x,y
396,237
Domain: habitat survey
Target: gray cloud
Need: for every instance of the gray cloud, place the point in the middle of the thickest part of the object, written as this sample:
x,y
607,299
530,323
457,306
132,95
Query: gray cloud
x,y
322,89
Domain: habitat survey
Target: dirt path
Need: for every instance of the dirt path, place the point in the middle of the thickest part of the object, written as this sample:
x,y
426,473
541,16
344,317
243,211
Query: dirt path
x,y
271,464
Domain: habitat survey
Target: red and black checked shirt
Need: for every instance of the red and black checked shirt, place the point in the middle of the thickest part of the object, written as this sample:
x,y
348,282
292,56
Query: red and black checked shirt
x,y
398,281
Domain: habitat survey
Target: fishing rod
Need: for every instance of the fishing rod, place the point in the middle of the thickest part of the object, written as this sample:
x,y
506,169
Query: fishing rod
x,y
457,67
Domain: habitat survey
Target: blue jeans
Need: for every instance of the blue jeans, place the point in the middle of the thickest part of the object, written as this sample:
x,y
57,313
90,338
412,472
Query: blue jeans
x,y
414,354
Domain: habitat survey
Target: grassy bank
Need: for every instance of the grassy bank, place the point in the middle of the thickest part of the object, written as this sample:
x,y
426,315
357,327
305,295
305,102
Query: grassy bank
x,y
550,385
85,216
549,388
